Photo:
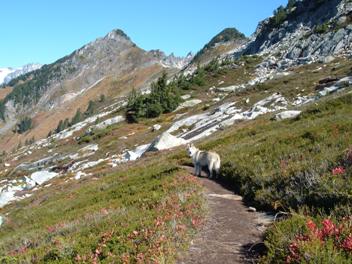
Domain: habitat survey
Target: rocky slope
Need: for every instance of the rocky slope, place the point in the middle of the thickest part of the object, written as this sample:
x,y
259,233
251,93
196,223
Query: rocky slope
x,y
305,31
107,62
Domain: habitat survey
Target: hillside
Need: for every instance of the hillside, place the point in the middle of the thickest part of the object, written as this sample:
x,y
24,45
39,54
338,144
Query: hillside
x,y
109,66
115,185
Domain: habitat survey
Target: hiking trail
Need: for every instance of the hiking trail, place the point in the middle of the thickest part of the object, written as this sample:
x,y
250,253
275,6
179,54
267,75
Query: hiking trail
x,y
231,232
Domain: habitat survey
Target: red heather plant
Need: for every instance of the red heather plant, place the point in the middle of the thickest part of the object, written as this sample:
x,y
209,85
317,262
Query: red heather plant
x,y
340,235
338,170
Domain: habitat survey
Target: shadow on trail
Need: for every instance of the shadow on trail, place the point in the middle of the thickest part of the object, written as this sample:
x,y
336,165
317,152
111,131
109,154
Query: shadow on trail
x,y
250,252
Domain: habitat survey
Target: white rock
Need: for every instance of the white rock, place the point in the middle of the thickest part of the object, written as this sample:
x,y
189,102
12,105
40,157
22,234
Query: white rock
x,y
91,164
328,59
80,174
287,115
185,97
43,176
252,209
85,151
166,141
231,88
189,103
7,194
131,155
156,127
108,122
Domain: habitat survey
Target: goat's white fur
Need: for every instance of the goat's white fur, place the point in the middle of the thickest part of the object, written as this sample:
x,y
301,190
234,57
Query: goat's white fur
x,y
202,159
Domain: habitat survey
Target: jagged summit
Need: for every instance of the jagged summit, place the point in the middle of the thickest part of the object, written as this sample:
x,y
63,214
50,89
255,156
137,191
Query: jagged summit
x,y
172,61
117,32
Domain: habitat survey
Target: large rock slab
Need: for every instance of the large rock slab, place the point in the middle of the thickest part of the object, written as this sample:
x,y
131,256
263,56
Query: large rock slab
x,y
166,141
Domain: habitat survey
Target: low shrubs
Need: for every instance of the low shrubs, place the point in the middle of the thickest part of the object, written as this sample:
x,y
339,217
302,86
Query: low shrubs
x,y
293,164
140,214
302,239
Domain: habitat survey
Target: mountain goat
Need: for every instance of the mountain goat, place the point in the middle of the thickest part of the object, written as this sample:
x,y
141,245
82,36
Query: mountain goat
x,y
202,159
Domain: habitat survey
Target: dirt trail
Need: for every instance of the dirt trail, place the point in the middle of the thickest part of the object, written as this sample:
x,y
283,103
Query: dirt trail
x,y
231,232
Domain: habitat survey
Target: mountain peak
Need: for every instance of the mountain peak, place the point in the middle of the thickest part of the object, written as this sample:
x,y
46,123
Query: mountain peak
x,y
117,33
226,35
227,40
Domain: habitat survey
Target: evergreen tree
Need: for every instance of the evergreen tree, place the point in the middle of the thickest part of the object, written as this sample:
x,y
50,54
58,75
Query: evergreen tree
x,y
24,125
280,16
91,109
60,127
77,117
163,98
66,123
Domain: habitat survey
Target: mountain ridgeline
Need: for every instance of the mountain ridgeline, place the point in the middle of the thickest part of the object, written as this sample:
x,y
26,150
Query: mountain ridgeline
x,y
303,31
115,54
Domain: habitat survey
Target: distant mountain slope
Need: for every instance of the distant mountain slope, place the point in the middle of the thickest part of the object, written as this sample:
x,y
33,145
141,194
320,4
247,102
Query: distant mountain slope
x,y
227,40
20,71
4,72
109,58
7,74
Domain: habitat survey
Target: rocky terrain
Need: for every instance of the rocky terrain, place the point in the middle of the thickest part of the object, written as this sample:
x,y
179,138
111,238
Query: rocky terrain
x,y
274,106
111,66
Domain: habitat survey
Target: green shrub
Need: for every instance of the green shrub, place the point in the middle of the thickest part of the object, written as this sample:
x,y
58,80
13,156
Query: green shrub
x,y
323,28
280,15
24,125
289,164
164,98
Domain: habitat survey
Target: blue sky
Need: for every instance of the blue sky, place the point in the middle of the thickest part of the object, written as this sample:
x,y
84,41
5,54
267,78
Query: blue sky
x,y
44,31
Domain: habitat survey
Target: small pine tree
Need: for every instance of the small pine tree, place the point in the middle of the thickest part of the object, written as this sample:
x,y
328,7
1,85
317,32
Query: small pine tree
x,y
91,109
24,125
66,123
77,117
60,127
280,15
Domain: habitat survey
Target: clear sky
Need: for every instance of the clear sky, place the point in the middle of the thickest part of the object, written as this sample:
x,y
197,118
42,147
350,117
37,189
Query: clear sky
x,y
45,30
